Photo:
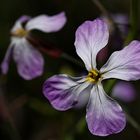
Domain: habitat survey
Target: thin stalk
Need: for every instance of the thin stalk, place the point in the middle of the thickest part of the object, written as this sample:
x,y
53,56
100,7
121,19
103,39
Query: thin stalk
x,y
105,12
133,122
134,11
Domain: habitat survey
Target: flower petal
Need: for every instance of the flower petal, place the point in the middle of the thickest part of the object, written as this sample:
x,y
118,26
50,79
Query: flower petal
x,y
47,23
124,91
19,22
104,115
83,99
124,64
6,61
91,37
29,61
23,19
63,91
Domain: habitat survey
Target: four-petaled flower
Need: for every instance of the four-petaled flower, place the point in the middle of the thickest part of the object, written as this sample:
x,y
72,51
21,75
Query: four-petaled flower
x,y
29,60
104,115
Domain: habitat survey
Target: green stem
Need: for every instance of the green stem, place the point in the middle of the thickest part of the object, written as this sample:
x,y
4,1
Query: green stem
x,y
109,85
134,11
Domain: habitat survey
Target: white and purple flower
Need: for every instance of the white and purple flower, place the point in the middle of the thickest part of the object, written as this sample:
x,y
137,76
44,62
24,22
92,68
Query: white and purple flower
x,y
29,60
104,115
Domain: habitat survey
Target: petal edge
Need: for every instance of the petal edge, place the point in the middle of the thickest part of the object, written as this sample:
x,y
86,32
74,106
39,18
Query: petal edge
x,y
91,37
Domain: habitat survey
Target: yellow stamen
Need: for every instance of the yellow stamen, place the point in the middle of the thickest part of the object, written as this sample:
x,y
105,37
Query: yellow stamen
x,y
20,33
93,76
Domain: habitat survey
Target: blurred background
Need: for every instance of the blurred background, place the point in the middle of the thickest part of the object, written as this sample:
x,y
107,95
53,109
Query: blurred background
x,y
25,114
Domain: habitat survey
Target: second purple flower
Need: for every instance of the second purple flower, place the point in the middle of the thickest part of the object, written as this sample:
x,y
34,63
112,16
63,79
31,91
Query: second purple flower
x,y
29,60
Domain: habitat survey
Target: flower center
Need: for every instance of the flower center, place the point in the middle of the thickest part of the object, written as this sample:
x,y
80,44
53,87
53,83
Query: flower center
x,y
20,33
93,76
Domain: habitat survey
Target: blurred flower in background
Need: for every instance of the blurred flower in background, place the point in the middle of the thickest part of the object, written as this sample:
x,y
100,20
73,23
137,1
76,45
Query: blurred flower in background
x,y
29,60
122,23
121,20
124,91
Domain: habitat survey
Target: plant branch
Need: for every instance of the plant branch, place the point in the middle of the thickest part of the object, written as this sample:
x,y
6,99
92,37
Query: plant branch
x,y
134,11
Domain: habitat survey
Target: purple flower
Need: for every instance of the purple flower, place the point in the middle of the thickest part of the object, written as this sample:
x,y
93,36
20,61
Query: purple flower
x,y
29,60
121,20
124,91
104,115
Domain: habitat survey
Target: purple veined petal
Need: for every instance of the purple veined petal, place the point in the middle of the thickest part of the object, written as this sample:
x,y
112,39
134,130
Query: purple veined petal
x,y
6,60
124,91
47,23
63,91
30,62
104,115
18,23
91,37
124,64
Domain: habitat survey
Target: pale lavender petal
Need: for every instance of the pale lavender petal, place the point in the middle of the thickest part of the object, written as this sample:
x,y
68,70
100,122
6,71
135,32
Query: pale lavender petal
x,y
29,61
6,61
124,64
83,99
63,91
104,115
47,23
91,37
124,91
24,18
19,22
